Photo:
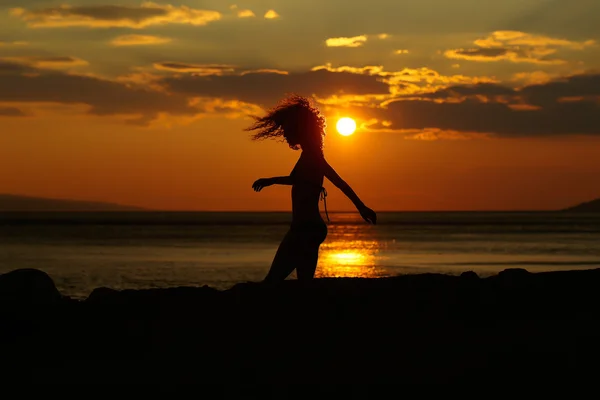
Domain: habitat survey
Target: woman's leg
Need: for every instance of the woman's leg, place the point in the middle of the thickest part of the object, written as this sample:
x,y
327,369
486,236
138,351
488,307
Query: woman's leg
x,y
285,259
307,264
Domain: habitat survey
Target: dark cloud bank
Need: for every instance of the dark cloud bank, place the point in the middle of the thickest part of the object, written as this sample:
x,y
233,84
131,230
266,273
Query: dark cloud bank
x,y
567,106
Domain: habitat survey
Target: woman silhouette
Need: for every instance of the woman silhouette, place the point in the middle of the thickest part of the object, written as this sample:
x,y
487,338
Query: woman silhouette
x,y
303,127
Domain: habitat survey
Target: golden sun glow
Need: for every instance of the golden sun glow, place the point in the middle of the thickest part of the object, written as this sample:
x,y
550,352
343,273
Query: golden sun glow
x,y
348,258
347,263
354,258
346,126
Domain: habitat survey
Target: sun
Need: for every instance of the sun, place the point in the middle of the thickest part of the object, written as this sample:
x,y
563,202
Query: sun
x,y
346,126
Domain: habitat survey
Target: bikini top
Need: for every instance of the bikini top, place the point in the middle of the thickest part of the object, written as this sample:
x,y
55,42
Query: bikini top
x,y
323,196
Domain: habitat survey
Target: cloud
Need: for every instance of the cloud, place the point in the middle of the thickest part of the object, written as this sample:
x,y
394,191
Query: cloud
x,y
431,134
246,14
343,86
15,43
409,80
197,69
498,54
178,86
271,14
517,38
47,62
582,86
560,107
185,93
265,71
107,16
25,83
517,47
418,103
490,54
534,77
139,40
228,108
364,70
243,13
355,41
10,112
265,88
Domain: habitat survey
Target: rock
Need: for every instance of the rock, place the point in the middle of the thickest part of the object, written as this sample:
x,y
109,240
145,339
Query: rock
x,y
514,273
103,295
514,279
409,329
469,275
514,276
27,289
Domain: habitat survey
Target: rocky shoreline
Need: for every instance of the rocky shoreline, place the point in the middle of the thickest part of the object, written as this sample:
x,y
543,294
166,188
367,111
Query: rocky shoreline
x,y
427,328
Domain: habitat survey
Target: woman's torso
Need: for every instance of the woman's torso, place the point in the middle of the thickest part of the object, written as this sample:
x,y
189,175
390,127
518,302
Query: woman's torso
x,y
307,185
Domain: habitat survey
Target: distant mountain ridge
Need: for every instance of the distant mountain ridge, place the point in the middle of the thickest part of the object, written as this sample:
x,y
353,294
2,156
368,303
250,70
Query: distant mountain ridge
x,y
590,206
10,202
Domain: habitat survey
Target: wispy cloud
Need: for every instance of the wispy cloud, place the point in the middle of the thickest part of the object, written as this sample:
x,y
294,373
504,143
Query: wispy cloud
x,y
213,69
196,69
139,40
265,71
106,16
517,38
517,47
355,41
47,62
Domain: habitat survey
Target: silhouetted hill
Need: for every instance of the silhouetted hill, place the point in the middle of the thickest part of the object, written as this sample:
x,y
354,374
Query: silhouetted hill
x,y
10,202
590,206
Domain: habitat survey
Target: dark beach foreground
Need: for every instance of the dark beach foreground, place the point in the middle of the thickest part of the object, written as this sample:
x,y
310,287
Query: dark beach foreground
x,y
411,329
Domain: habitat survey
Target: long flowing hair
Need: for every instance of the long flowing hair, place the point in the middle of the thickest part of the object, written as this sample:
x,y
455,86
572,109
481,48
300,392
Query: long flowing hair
x,y
293,111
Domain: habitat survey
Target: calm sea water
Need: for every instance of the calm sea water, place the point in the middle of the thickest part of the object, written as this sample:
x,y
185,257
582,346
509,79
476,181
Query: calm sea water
x,y
82,251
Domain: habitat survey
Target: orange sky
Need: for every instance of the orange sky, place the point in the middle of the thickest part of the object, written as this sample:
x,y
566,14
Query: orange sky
x,y
150,111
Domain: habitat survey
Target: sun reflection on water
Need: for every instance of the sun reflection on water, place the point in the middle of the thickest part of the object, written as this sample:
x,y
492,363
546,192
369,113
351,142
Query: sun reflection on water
x,y
349,259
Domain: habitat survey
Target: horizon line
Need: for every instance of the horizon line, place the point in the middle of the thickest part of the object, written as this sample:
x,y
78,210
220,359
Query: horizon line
x,y
148,210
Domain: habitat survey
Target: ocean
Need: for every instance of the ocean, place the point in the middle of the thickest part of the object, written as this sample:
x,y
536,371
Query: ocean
x,y
130,250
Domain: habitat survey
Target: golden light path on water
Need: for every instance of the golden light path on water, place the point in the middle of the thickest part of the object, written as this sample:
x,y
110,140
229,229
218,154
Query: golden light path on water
x,y
352,249
343,258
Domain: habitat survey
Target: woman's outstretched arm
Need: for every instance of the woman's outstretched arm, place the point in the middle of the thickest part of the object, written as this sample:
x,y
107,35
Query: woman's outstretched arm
x,y
281,180
368,214
277,180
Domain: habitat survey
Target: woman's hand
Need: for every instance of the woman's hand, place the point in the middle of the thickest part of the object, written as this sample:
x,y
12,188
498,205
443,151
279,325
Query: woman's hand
x,y
261,183
368,214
